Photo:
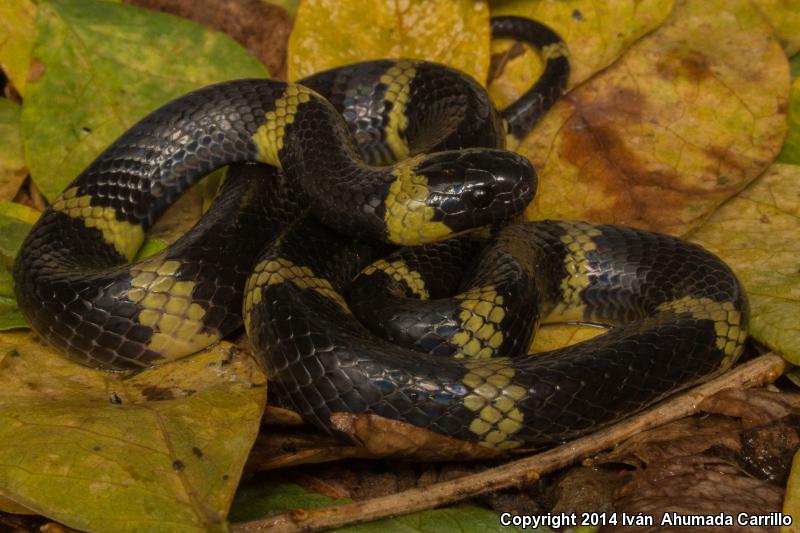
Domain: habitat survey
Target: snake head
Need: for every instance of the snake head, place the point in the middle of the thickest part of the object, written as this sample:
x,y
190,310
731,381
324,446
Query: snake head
x,y
436,196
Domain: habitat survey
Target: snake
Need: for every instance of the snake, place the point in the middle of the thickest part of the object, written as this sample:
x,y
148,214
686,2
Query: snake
x,y
342,240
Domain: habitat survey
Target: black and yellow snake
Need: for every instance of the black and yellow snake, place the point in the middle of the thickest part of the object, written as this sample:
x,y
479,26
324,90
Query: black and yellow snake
x,y
397,151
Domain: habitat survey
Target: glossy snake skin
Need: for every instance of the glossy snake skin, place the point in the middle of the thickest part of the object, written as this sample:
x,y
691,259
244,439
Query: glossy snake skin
x,y
397,152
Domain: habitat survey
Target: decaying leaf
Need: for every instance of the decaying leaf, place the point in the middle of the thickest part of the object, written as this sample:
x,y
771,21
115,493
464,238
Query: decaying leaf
x,y
383,437
791,501
16,40
732,463
596,33
106,65
695,485
784,16
263,29
585,487
281,449
12,159
791,148
757,233
757,430
676,126
329,34
162,450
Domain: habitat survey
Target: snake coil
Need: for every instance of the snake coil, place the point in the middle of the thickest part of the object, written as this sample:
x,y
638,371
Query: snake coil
x,y
401,152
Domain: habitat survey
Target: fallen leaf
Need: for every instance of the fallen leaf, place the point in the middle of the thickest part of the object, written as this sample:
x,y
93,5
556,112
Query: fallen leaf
x,y
289,5
791,148
162,450
15,223
107,65
596,33
383,437
150,247
329,34
554,336
753,407
784,16
759,432
16,40
9,506
791,501
179,218
12,159
259,500
282,449
695,485
263,29
585,488
757,233
676,126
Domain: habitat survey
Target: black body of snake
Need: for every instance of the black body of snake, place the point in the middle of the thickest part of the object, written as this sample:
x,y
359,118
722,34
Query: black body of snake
x,y
679,313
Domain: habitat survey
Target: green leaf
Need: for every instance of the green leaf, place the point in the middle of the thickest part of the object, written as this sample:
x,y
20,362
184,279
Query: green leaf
x,y
16,40
331,34
791,147
257,500
15,223
107,65
150,247
757,233
12,160
160,451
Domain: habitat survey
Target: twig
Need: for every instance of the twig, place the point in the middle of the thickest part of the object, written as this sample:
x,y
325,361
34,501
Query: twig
x,y
757,372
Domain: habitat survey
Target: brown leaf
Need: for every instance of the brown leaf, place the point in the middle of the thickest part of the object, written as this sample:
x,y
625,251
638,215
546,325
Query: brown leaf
x,y
383,437
596,35
282,449
676,126
260,27
758,430
683,437
584,488
696,485
755,406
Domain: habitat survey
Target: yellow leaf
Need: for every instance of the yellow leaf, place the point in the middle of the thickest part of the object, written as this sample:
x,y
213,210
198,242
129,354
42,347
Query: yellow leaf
x,y
784,16
554,336
758,234
12,160
17,19
10,506
329,33
596,33
162,450
791,502
680,123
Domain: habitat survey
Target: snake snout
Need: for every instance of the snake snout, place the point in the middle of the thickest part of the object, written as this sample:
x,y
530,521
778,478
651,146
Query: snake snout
x,y
472,188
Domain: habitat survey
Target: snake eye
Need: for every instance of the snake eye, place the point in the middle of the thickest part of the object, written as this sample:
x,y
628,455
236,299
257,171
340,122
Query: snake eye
x,y
481,196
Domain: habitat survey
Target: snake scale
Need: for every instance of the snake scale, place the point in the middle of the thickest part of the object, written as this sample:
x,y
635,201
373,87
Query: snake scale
x,y
358,160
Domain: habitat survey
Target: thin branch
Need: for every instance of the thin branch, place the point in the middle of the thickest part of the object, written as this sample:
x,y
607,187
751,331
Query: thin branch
x,y
757,372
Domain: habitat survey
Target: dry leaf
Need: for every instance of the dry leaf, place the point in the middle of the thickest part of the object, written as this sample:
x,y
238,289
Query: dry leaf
x,y
162,449
329,33
676,126
596,33
757,233
784,16
16,40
